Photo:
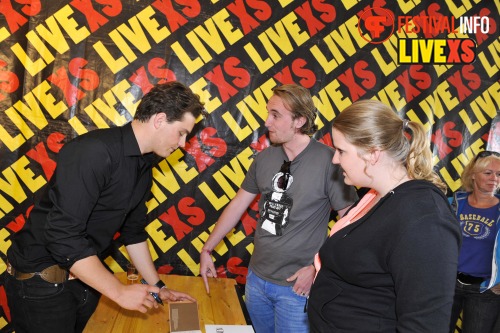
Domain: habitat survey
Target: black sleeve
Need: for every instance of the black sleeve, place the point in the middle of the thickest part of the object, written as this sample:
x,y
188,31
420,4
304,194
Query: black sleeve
x,y
133,230
82,171
424,267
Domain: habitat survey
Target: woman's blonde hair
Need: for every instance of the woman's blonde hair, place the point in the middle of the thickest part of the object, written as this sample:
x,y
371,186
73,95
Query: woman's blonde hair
x,y
371,125
478,164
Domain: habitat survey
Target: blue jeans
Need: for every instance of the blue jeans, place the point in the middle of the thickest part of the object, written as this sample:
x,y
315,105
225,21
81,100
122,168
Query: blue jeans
x,y
480,310
43,307
274,308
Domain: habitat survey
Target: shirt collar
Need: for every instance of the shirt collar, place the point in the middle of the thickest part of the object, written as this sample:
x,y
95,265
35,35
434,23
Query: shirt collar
x,y
130,144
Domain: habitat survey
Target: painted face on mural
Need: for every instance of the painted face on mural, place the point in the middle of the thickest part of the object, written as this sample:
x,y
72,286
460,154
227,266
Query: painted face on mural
x,y
280,123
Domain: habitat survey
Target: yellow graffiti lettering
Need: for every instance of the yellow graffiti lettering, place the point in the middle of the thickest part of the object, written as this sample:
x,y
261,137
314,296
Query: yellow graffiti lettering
x,y
328,95
207,33
338,43
458,164
427,122
406,6
180,167
279,35
229,31
157,32
235,175
201,88
163,175
189,262
33,66
483,105
11,186
440,100
390,95
134,32
53,33
112,264
458,11
70,25
31,111
4,34
158,197
493,51
34,183
42,93
5,241
348,4
253,103
163,242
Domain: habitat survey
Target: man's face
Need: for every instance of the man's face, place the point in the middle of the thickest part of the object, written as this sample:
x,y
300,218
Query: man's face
x,y
280,124
171,136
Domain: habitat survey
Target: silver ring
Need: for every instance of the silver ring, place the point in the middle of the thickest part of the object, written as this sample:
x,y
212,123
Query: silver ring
x,y
302,294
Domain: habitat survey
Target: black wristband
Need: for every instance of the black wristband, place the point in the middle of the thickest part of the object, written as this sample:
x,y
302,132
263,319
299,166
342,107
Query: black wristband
x,y
160,284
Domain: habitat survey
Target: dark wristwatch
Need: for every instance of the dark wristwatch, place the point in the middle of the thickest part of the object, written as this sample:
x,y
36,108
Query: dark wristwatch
x,y
160,284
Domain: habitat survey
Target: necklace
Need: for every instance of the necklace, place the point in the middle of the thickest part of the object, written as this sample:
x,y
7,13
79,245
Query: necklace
x,y
400,181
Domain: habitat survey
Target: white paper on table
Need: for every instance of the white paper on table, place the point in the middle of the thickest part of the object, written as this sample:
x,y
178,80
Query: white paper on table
x,y
229,329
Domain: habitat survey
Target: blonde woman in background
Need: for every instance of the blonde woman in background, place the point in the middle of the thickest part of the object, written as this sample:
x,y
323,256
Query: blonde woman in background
x,y
477,290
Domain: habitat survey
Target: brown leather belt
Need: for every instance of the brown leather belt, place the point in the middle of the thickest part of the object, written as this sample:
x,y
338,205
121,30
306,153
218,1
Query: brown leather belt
x,y
51,274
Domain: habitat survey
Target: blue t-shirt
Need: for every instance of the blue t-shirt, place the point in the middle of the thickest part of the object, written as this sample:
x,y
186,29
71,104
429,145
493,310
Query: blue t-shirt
x,y
479,231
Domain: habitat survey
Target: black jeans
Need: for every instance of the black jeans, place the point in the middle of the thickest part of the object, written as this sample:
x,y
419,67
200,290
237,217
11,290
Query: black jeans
x,y
481,311
43,307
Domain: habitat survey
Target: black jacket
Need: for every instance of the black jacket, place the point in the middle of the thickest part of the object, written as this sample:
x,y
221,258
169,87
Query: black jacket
x,y
393,270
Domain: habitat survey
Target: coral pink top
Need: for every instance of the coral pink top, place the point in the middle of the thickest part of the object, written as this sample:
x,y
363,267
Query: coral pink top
x,y
348,219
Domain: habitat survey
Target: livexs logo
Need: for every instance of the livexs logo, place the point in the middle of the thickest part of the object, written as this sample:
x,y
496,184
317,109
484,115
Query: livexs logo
x,y
379,24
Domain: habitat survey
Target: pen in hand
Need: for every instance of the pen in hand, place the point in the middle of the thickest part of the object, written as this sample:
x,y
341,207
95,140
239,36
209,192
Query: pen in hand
x,y
155,295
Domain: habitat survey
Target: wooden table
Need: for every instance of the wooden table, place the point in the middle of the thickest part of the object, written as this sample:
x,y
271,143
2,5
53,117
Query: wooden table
x,y
222,306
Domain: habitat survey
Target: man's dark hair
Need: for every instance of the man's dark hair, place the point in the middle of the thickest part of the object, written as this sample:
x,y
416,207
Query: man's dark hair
x,y
172,98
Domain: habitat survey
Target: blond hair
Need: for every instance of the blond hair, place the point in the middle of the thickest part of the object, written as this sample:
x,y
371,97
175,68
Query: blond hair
x,y
371,125
478,164
298,101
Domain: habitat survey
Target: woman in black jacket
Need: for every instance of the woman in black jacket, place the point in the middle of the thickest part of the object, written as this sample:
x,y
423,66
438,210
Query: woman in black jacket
x,y
390,265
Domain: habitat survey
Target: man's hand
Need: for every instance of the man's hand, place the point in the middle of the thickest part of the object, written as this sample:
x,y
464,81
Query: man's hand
x,y
496,289
137,297
304,278
173,296
207,268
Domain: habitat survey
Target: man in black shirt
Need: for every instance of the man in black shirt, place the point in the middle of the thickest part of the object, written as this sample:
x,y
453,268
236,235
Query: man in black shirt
x,y
99,188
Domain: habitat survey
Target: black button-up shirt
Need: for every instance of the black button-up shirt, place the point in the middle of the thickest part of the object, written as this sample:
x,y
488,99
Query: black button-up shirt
x,y
99,187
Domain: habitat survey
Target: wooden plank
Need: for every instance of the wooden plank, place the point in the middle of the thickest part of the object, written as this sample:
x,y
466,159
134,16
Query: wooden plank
x,y
225,303
220,307
104,317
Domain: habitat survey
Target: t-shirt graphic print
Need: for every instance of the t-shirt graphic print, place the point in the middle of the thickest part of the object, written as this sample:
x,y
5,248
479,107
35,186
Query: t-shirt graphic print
x,y
277,205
